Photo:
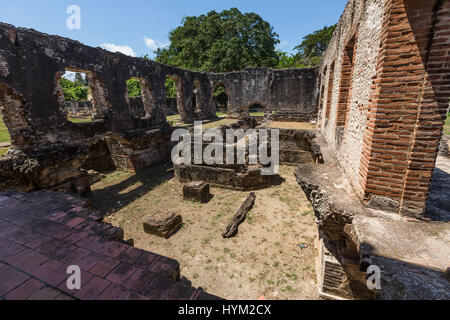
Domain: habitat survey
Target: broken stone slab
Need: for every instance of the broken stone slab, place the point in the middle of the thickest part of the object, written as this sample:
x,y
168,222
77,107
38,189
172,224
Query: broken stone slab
x,y
163,224
241,214
196,191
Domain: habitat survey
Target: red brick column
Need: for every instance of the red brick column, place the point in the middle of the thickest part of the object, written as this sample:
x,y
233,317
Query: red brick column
x,y
330,91
410,96
346,81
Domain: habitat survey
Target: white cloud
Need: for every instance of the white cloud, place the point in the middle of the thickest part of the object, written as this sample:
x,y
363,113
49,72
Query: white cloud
x,y
69,75
115,48
282,44
154,44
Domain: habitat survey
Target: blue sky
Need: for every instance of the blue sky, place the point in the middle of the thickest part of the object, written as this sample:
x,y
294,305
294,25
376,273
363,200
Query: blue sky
x,y
137,27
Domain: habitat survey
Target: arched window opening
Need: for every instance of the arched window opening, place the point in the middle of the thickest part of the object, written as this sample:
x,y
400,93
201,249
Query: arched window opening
x,y
140,98
81,96
256,110
196,97
221,100
175,99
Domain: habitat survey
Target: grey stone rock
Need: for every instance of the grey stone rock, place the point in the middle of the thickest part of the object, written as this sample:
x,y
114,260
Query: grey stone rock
x,y
163,224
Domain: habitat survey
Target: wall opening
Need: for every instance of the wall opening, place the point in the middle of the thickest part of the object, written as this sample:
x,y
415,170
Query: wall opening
x,y
14,125
76,102
140,98
5,139
346,82
330,92
256,110
81,96
221,100
196,97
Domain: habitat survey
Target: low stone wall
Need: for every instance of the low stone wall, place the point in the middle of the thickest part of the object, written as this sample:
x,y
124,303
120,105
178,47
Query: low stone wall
x,y
298,147
75,107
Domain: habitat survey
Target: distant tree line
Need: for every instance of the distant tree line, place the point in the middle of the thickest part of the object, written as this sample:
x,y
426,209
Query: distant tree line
x,y
232,41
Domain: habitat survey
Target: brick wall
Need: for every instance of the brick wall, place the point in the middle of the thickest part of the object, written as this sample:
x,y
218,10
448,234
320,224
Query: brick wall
x,y
393,124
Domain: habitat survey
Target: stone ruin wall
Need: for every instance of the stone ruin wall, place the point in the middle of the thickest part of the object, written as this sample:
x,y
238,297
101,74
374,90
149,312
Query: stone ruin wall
x,y
383,92
356,16
48,150
289,91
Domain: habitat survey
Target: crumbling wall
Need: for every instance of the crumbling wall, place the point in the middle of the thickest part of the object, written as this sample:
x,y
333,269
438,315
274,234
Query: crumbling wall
x,y
34,110
288,92
383,98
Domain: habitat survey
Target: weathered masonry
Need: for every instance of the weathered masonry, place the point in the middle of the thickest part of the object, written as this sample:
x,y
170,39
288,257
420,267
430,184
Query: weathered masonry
x,y
380,98
50,152
384,96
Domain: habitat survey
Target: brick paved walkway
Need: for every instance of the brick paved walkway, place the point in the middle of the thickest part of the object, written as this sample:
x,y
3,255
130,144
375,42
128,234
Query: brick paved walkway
x,y
42,233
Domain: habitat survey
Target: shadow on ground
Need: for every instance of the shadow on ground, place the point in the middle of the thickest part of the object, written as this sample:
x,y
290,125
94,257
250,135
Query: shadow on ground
x,y
113,198
438,205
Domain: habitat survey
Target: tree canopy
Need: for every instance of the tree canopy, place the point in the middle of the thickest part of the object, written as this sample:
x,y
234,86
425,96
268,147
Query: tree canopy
x,y
75,90
310,51
221,42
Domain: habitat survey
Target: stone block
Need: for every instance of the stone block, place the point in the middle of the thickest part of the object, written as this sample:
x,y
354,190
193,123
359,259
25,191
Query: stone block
x,y
197,191
163,224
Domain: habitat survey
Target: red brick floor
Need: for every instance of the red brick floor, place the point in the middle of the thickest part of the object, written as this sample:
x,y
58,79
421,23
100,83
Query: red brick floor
x,y
43,233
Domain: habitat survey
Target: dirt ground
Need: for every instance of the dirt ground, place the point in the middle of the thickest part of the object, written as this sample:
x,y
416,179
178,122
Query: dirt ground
x,y
292,125
265,258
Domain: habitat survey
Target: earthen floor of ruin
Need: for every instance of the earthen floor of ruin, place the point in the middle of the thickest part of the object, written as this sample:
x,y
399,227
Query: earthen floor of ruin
x,y
272,255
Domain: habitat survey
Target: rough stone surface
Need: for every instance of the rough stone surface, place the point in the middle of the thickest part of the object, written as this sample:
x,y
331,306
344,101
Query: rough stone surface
x,y
37,246
163,224
412,254
381,110
197,191
443,146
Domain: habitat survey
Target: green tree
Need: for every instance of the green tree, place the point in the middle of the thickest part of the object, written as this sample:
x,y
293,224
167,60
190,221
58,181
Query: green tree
x,y
171,88
221,42
313,46
134,88
74,90
286,60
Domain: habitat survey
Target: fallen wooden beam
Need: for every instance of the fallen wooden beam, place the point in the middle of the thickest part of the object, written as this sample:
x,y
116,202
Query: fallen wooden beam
x,y
241,214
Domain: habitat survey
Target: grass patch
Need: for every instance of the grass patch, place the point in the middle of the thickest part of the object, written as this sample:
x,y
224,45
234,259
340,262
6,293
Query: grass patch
x,y
80,120
447,125
4,134
3,151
